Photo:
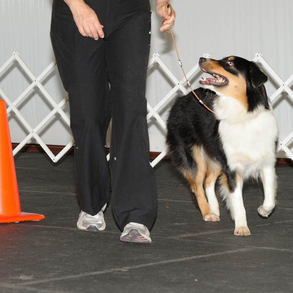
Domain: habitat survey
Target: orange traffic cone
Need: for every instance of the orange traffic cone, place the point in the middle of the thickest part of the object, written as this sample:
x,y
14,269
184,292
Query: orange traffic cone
x,y
10,211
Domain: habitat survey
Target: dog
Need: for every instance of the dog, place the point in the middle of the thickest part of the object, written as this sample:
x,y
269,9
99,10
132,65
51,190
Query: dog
x,y
236,142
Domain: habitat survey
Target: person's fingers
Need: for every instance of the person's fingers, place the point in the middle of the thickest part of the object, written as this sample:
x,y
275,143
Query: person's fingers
x,y
94,32
93,29
168,14
87,21
87,30
81,31
165,10
99,30
168,22
169,10
166,28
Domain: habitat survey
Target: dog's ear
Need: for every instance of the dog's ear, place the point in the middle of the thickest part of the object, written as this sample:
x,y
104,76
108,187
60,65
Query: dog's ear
x,y
258,78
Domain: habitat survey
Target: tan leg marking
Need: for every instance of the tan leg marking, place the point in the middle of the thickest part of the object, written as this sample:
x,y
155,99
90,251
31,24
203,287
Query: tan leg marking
x,y
197,186
213,174
224,181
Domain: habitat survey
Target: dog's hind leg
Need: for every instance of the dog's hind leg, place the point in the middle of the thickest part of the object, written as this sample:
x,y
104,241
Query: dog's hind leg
x,y
269,181
197,183
213,173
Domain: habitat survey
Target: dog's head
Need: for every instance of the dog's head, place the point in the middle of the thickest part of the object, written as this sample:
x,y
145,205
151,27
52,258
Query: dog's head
x,y
237,78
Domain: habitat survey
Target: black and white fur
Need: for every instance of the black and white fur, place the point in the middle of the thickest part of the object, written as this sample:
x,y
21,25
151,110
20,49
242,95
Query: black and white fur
x,y
238,141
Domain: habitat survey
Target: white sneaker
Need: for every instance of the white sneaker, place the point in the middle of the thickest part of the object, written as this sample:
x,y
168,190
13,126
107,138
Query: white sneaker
x,y
94,223
136,233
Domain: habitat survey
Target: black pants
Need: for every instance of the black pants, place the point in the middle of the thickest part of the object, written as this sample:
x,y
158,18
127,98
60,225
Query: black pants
x,y
106,79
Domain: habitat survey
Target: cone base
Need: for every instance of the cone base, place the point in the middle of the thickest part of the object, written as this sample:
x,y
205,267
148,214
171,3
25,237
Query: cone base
x,y
22,217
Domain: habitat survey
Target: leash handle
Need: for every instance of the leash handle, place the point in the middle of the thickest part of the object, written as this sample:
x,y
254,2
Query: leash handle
x,y
184,74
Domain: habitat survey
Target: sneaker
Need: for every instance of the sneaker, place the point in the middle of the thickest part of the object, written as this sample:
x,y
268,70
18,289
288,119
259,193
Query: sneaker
x,y
94,223
135,233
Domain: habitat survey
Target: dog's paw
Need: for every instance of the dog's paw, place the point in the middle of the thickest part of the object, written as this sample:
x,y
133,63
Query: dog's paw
x,y
242,231
264,212
211,217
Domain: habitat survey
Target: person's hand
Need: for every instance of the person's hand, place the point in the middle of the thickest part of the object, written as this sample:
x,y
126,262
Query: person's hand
x,y
166,11
86,19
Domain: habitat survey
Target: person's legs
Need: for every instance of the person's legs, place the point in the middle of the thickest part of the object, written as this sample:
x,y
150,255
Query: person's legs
x,y
133,180
82,66
83,69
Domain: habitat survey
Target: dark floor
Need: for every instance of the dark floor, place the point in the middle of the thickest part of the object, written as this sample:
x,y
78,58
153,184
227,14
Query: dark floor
x,y
187,254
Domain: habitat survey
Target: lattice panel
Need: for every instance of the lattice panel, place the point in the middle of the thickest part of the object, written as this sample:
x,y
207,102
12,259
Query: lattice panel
x,y
153,112
36,82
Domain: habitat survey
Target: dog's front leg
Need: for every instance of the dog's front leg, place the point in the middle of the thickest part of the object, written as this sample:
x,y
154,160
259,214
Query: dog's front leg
x,y
236,206
269,181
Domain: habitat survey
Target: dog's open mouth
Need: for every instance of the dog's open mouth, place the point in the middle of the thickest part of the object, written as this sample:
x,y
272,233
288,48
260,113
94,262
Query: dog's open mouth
x,y
218,80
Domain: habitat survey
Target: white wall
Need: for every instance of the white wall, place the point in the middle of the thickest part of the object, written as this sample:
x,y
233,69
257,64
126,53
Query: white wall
x,y
24,27
220,28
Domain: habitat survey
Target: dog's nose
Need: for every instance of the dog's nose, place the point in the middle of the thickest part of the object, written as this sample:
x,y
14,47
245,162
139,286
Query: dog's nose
x,y
202,60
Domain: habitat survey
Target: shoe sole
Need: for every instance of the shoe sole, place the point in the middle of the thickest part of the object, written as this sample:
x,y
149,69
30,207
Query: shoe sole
x,y
92,228
133,236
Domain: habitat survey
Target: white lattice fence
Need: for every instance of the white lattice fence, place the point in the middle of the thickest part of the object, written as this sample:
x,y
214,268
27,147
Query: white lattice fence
x,y
36,82
153,112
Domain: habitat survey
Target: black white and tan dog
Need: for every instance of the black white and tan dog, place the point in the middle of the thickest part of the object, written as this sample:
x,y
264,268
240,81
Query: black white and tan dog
x,y
234,143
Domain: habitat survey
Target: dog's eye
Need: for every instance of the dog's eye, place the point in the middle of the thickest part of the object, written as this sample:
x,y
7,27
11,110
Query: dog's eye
x,y
230,63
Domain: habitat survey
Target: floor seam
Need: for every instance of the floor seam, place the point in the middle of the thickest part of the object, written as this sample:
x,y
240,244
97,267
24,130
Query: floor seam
x,y
154,234
45,192
24,287
272,248
127,268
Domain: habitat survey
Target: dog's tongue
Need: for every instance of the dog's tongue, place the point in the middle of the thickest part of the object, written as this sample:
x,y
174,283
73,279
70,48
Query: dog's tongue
x,y
212,81
208,81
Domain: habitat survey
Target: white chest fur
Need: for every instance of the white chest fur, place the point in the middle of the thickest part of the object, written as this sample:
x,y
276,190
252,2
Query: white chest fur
x,y
248,138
